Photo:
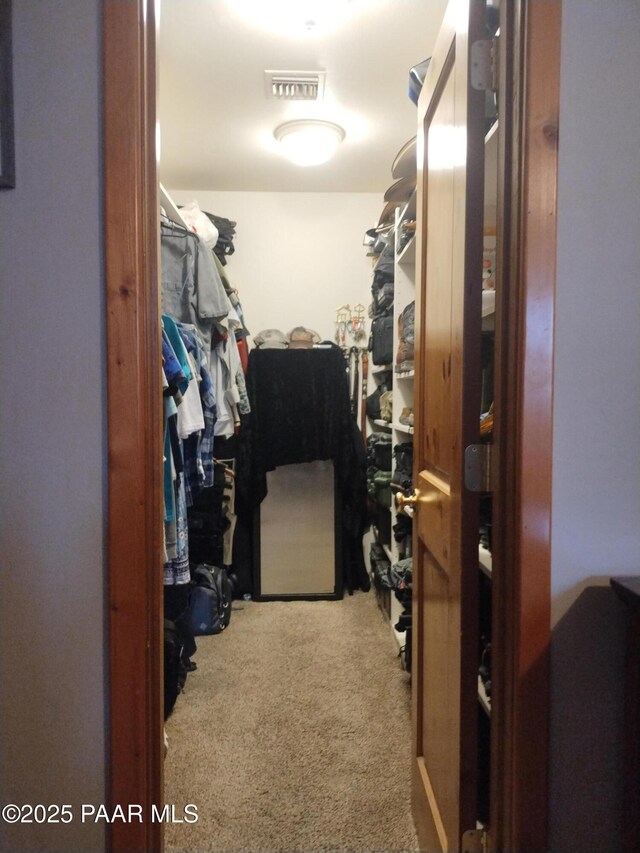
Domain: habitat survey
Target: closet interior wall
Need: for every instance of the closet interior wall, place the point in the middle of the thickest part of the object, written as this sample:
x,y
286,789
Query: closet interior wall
x,y
298,255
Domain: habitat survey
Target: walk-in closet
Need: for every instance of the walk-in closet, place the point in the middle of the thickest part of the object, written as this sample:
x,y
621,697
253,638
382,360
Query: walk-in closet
x,y
288,596
208,465
328,180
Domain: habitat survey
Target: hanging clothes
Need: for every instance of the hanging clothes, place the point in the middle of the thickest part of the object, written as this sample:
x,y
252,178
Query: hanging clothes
x,y
228,377
192,291
203,322
178,374
198,447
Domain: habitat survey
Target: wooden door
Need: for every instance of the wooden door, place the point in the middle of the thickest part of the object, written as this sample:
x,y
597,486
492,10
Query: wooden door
x,y
447,410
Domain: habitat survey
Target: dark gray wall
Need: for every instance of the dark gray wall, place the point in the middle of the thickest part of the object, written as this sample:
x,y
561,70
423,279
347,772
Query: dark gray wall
x,y
52,413
596,474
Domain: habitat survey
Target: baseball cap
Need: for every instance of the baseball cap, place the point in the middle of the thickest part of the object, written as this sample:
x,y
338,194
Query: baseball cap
x,y
270,339
302,338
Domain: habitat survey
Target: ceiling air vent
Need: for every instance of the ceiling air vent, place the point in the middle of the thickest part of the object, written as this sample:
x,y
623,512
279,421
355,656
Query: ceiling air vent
x,y
295,85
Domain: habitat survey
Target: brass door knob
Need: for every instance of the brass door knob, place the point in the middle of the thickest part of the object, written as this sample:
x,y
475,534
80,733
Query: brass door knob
x,y
402,501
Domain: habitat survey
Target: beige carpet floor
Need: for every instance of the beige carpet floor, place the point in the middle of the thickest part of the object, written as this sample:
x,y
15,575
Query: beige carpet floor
x,y
294,734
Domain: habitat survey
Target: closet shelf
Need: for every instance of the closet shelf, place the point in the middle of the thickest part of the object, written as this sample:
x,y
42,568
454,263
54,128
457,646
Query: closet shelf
x,y
484,700
403,428
406,374
381,368
379,422
485,560
407,256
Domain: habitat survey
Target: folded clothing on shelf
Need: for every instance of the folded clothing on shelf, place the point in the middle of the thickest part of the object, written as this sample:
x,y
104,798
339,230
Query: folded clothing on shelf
x,y
379,451
403,474
400,577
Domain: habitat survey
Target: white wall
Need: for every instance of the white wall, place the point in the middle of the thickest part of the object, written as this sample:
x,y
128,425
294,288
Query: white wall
x,y
52,657
299,256
596,477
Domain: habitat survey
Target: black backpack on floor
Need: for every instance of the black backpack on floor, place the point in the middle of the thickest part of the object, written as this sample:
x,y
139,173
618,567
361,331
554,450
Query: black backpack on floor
x,y
210,600
175,672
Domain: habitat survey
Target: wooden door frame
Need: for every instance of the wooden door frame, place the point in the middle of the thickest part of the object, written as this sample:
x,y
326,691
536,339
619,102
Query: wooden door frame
x,y
134,404
524,399
523,438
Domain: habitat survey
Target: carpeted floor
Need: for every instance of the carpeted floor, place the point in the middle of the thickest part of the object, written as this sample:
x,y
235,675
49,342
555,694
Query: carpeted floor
x,y
294,734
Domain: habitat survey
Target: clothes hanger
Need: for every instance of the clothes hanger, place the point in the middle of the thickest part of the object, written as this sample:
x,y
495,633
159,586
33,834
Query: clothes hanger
x,y
175,227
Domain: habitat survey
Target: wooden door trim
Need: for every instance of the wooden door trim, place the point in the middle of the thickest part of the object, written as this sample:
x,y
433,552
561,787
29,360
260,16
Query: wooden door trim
x,y
530,72
134,439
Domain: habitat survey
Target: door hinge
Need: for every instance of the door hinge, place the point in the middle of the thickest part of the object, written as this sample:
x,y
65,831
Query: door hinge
x,y
477,468
485,58
475,841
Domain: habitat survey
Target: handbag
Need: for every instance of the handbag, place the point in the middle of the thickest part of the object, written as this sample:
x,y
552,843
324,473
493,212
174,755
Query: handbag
x,y
381,340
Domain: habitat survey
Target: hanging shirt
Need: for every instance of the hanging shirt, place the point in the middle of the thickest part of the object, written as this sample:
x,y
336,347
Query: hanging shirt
x,y
190,414
198,448
178,382
173,335
192,291
229,380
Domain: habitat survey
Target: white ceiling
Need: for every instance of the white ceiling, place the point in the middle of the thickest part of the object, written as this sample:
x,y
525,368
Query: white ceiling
x,y
216,119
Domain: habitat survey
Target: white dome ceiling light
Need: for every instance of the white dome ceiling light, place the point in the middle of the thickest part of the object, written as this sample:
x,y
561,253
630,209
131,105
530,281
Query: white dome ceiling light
x,y
295,17
309,142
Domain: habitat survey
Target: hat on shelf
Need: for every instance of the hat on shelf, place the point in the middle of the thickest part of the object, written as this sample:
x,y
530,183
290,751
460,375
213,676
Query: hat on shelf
x,y
405,165
270,339
401,190
302,338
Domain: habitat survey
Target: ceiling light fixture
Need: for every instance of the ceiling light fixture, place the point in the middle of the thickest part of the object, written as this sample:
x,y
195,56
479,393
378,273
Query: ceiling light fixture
x,y
294,17
309,142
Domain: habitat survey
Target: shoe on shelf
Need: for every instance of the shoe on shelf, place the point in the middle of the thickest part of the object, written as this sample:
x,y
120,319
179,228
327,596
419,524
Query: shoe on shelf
x,y
406,417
